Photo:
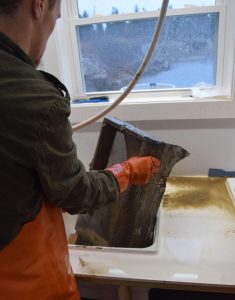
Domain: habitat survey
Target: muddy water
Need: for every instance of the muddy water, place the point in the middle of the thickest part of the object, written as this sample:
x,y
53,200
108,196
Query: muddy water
x,y
197,193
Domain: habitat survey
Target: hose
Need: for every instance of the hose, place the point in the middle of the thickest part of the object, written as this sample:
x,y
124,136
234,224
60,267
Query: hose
x,y
138,74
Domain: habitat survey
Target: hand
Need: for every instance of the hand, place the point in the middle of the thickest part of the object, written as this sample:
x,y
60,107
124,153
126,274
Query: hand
x,y
135,170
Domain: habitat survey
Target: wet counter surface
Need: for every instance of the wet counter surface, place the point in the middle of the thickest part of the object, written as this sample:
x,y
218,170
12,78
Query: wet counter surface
x,y
195,243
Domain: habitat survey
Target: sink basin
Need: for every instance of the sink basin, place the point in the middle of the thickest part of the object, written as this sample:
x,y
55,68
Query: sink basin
x,y
132,221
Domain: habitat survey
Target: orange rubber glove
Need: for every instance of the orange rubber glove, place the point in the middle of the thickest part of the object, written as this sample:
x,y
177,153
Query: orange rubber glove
x,y
135,170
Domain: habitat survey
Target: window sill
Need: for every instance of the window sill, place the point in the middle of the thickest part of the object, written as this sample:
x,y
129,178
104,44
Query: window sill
x,y
163,109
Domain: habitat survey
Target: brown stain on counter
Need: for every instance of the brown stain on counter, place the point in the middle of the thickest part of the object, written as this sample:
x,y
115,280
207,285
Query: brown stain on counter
x,y
197,193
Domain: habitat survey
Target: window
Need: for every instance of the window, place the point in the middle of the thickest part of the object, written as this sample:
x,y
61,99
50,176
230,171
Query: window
x,y
93,8
110,40
148,101
111,53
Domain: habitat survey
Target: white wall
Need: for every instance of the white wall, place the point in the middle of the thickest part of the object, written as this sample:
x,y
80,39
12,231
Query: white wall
x,y
210,142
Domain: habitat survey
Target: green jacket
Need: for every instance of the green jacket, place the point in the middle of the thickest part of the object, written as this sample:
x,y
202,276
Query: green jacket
x,y
38,158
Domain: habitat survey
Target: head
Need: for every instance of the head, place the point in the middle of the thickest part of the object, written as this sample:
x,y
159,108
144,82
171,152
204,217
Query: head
x,y
34,21
46,13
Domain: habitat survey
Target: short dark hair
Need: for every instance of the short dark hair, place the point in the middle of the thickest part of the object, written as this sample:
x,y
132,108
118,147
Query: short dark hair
x,y
51,3
10,6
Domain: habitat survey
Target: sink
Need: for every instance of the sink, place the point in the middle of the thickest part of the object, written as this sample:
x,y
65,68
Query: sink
x,y
131,222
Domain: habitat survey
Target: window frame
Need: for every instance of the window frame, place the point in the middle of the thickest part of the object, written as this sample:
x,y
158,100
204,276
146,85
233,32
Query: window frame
x,y
76,21
166,100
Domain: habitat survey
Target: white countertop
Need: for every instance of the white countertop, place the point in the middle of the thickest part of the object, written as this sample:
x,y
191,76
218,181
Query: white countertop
x,y
195,242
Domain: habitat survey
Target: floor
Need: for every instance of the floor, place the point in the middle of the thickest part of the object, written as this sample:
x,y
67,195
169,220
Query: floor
x,y
160,294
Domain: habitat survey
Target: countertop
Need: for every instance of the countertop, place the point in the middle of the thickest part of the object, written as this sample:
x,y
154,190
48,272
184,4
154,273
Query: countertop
x,y
194,247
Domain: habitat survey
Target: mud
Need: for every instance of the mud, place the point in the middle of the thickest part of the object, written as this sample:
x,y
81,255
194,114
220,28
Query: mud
x,y
197,193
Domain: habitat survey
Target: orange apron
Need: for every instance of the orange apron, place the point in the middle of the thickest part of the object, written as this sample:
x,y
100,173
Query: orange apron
x,y
35,265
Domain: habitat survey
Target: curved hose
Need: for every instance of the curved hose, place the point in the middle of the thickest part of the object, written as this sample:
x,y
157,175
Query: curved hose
x,y
137,75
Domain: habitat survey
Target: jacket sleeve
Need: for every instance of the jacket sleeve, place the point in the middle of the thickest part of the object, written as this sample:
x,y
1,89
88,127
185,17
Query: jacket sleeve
x,y
64,180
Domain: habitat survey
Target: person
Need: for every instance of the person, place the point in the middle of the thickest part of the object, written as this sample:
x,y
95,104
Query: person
x,y
41,175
